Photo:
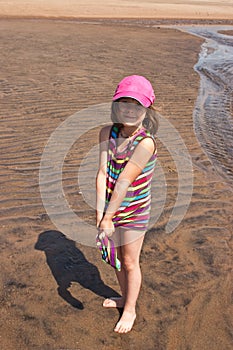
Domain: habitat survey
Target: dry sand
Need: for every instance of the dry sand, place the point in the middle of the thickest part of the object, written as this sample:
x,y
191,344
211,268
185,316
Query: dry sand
x,y
207,9
51,69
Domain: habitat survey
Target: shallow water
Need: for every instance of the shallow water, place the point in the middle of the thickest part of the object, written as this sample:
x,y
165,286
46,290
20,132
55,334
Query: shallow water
x,y
214,105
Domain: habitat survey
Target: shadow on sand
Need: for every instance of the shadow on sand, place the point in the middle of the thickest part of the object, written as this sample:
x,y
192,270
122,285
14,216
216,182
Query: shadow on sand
x,y
68,264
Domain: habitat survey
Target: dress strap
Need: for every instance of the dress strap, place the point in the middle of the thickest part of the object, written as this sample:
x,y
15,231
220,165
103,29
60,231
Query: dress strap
x,y
140,136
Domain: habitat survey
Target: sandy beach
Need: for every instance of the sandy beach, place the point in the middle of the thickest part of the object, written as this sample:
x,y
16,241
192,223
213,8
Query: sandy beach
x,y
207,9
52,288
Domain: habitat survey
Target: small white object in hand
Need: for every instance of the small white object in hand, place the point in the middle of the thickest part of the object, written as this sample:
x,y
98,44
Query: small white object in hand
x,y
102,235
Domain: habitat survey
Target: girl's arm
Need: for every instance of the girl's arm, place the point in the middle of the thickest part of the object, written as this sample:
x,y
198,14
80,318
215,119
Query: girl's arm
x,y
142,154
101,175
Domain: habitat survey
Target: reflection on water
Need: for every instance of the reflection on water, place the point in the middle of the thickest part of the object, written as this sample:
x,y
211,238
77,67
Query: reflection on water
x,y
213,111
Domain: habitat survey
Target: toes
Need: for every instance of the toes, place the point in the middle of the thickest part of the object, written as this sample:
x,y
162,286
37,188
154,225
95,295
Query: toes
x,y
124,326
122,329
107,302
113,302
119,328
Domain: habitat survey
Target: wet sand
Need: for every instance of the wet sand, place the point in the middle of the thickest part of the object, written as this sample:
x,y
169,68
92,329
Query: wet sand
x,y
51,287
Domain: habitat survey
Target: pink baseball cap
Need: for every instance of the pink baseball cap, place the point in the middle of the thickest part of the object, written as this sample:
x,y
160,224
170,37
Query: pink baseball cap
x,y
137,87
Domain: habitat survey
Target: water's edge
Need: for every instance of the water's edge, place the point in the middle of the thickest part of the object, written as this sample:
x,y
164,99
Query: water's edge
x,y
212,115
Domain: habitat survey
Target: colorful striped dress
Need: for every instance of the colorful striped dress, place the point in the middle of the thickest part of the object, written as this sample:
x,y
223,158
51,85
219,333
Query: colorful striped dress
x,y
134,211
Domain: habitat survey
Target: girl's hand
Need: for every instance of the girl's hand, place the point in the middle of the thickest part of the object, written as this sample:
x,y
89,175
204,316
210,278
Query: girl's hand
x,y
106,227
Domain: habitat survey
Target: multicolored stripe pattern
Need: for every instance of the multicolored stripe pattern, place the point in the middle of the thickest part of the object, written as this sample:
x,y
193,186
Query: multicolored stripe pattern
x,y
134,211
108,251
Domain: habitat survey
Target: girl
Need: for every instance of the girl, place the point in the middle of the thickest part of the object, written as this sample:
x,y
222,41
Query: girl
x,y
127,160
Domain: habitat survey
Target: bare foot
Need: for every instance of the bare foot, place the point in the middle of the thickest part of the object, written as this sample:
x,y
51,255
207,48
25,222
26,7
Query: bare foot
x,y
114,302
126,322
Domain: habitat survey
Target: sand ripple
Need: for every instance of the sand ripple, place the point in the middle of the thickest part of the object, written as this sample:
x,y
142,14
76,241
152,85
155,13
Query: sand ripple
x,y
51,289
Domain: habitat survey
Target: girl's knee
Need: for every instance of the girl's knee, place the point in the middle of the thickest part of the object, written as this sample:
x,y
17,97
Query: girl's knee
x,y
130,264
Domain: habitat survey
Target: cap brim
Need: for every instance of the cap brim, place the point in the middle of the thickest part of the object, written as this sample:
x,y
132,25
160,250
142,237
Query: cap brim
x,y
143,100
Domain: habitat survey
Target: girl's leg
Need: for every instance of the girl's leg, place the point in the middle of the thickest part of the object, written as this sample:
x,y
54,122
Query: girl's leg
x,y
121,277
130,253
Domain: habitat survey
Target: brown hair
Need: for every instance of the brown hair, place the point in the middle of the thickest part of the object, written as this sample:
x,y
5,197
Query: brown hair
x,y
150,121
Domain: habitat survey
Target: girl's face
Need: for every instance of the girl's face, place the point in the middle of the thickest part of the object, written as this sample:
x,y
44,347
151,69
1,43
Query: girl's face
x,y
130,112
